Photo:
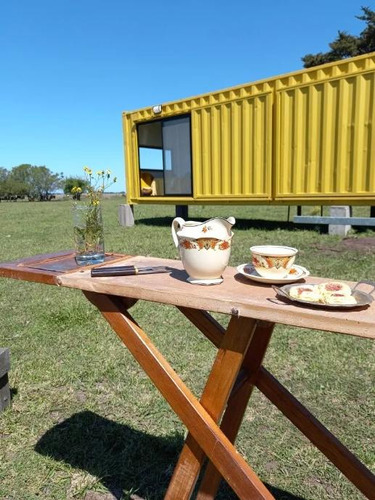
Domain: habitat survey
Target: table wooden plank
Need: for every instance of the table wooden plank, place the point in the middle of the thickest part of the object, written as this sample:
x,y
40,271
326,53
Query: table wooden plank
x,y
235,296
45,268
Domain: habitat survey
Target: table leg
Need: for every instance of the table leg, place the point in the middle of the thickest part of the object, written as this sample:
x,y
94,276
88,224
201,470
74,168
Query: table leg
x,y
214,398
324,440
319,435
202,426
238,402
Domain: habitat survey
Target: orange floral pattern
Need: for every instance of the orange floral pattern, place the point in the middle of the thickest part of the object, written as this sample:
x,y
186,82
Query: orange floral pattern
x,y
270,262
205,244
224,245
187,244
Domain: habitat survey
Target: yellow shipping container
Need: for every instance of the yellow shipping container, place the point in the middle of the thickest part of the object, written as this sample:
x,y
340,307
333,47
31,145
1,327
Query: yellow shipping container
x,y
303,138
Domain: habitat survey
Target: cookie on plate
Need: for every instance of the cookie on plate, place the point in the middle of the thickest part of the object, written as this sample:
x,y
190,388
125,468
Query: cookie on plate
x,y
309,293
339,298
333,287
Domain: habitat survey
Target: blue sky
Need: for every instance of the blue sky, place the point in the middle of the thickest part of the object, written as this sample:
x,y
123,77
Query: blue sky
x,y
69,68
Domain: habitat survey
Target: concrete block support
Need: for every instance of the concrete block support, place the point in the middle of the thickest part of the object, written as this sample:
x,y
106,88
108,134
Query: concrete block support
x,y
339,211
126,215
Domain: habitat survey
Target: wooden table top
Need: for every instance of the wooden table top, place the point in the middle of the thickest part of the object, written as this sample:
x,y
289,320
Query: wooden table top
x,y
237,295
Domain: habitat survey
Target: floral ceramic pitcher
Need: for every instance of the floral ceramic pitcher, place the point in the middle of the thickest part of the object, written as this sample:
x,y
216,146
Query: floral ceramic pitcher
x,y
204,247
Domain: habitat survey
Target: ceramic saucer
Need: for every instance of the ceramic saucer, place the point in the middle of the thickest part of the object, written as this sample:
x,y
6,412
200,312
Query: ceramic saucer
x,y
295,274
205,282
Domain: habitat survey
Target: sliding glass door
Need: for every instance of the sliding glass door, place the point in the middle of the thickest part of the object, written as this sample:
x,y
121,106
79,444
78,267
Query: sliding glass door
x,y
165,148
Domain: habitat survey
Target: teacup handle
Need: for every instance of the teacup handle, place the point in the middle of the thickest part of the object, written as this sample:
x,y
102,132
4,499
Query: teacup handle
x,y
177,223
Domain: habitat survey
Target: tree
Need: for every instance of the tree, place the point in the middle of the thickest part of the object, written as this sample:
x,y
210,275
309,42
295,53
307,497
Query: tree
x,y
19,178
43,182
3,179
3,174
34,182
346,45
15,184
75,182
367,37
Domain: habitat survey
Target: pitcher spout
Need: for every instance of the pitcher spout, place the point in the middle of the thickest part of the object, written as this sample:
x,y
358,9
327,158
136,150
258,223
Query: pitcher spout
x,y
220,227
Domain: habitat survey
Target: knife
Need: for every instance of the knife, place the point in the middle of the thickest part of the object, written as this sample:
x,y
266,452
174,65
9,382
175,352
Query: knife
x,y
127,271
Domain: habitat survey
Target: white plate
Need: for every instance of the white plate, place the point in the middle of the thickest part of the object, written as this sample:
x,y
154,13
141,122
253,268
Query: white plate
x,y
298,273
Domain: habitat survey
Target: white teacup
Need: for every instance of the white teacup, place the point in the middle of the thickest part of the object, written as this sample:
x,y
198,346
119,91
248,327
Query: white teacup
x,y
273,261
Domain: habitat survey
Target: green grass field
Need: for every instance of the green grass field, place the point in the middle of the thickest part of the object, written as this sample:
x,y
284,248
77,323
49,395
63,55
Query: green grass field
x,y
84,417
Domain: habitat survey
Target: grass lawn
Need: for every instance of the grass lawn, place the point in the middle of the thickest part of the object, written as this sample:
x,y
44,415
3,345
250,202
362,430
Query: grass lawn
x,y
85,420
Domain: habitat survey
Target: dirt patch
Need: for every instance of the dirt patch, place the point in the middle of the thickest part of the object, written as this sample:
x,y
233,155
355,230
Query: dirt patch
x,y
364,245
360,245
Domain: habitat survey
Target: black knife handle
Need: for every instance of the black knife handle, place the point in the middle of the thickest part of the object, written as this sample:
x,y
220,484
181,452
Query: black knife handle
x,y
101,272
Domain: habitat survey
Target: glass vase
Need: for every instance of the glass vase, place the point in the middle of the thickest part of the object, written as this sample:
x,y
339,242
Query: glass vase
x,y
88,234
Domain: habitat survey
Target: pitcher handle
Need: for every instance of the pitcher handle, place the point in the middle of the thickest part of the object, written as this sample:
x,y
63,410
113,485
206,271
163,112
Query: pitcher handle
x,y
177,223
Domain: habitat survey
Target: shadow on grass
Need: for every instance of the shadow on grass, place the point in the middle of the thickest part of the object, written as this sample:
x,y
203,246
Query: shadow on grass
x,y
125,460
270,225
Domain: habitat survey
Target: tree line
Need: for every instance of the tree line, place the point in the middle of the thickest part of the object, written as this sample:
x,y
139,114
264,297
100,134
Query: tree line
x,y
29,181
35,183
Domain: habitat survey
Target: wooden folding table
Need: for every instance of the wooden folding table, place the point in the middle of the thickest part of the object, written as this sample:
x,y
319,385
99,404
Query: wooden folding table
x,y
213,421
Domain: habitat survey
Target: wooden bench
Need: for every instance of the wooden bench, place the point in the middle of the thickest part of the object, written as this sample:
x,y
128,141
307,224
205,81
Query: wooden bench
x,y
4,381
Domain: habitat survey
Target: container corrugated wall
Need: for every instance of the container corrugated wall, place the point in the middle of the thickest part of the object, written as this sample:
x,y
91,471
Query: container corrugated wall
x,y
232,148
326,138
308,136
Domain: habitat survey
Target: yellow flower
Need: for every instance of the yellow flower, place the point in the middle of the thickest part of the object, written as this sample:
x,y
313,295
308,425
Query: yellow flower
x,y
74,189
95,185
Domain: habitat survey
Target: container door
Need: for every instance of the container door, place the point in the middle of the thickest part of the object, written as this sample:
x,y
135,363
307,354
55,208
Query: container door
x,y
176,156
165,155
